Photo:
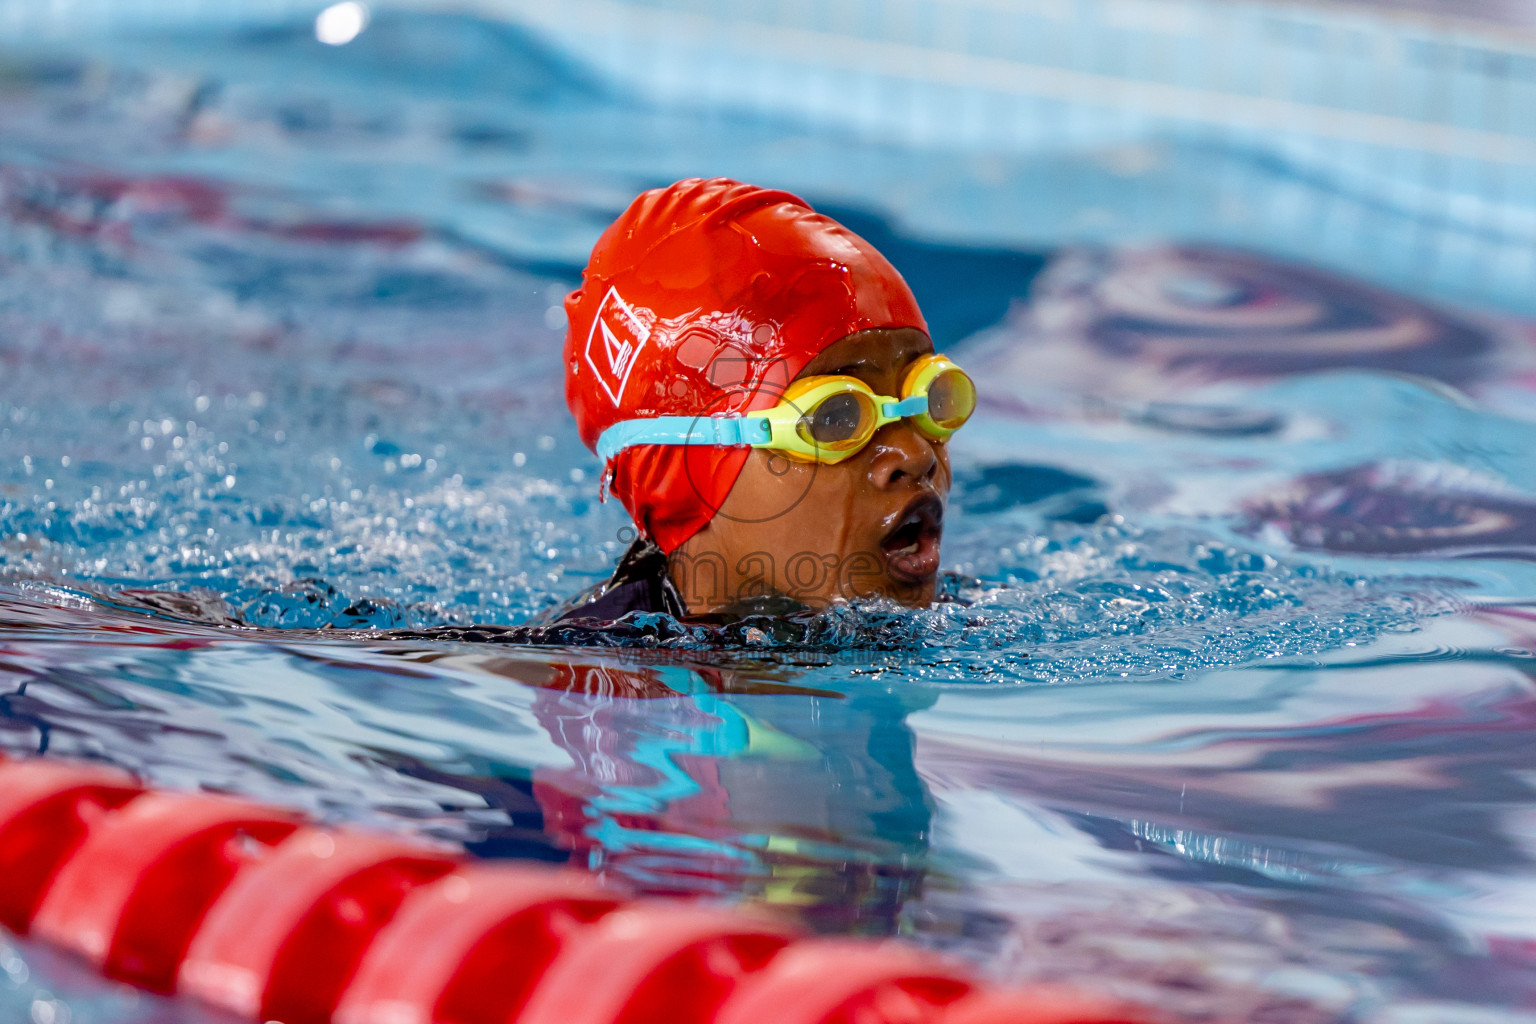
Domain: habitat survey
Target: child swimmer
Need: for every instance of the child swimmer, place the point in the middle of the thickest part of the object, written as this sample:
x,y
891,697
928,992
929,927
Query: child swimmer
x,y
762,390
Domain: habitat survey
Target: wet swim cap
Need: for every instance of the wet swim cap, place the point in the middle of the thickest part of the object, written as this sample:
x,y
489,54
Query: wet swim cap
x,y
709,297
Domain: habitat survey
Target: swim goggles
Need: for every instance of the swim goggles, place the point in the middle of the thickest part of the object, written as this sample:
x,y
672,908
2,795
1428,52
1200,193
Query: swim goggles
x,y
822,419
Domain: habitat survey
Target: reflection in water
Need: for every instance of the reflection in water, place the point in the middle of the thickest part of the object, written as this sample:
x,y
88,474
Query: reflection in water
x,y
1350,833
1220,313
661,775
1153,326
1400,509
690,779
1168,842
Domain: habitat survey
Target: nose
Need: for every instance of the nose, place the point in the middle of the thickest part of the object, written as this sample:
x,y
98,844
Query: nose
x,y
900,454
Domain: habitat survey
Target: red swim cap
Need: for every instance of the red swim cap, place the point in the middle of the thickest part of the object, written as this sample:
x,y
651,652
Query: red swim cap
x,y
709,297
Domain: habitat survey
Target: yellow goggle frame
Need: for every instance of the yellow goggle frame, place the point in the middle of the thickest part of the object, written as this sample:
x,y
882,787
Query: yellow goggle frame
x,y
831,418
822,419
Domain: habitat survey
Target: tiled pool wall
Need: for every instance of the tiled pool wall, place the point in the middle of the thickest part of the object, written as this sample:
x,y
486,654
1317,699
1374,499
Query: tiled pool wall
x,y
1415,135
1395,145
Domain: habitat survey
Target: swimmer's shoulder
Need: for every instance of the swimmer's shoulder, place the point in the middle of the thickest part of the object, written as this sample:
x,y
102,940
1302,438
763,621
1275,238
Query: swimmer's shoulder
x,y
640,583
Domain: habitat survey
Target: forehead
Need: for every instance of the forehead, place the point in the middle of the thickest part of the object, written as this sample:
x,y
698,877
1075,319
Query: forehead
x,y
869,352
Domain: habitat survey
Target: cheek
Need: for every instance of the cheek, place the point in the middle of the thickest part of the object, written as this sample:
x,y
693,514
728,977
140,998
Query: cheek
x,y
770,489
832,498
776,502
770,483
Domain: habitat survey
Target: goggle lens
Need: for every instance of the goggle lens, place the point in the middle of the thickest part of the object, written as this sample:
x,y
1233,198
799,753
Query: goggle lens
x,y
840,422
951,399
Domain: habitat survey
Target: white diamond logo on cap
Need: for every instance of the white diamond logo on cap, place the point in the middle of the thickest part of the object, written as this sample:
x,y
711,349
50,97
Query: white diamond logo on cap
x,y
614,342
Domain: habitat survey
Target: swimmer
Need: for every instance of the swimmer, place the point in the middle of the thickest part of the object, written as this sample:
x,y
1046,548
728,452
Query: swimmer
x,y
768,406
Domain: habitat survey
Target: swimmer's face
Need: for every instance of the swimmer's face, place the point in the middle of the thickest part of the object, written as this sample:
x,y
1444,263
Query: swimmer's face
x,y
868,526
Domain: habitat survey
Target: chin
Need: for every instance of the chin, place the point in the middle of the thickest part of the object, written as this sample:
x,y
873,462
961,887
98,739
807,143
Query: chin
x,y
922,597
912,594
897,577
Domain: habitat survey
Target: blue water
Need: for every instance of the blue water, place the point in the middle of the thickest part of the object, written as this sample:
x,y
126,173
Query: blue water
x,y
1230,710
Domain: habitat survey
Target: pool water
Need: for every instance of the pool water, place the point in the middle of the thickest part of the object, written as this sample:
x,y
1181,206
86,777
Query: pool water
x,y
1229,711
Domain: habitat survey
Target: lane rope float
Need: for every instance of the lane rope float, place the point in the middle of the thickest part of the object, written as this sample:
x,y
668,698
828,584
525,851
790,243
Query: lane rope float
x,y
257,911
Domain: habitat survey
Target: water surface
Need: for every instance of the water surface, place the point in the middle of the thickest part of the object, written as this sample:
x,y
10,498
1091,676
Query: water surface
x,y
1230,709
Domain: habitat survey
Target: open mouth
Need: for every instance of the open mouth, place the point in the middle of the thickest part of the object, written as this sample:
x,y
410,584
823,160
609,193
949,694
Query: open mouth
x,y
911,549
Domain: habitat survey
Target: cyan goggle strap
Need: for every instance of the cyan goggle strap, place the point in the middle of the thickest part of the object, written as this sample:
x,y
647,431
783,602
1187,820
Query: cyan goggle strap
x,y
720,431
911,406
